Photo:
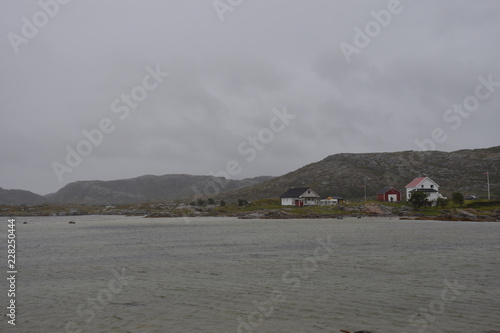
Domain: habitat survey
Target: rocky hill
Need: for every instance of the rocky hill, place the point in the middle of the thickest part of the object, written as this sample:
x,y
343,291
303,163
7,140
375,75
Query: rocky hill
x,y
340,175
346,174
144,189
20,197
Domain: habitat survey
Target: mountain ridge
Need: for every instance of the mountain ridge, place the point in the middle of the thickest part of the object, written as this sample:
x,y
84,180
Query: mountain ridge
x,y
20,197
346,174
343,174
170,187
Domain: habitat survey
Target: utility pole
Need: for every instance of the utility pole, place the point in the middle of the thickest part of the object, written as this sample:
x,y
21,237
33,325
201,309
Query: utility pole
x,y
488,182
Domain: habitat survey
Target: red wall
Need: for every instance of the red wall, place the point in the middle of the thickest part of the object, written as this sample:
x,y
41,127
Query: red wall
x,y
385,196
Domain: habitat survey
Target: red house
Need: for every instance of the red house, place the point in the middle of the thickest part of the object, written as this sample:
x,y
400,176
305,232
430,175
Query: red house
x,y
389,194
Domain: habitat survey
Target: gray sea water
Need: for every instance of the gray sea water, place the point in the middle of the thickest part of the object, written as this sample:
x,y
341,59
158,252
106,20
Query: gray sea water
x,y
130,274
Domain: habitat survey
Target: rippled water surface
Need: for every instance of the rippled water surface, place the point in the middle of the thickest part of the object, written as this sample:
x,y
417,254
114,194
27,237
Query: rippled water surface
x,y
130,274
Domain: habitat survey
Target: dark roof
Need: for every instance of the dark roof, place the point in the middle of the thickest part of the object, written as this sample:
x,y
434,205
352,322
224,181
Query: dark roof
x,y
337,197
386,189
294,192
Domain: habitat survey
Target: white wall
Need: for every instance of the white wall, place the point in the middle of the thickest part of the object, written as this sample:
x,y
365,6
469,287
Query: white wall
x,y
287,201
310,201
427,183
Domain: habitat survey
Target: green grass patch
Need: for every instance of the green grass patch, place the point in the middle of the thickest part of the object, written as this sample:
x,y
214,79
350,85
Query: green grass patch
x,y
484,204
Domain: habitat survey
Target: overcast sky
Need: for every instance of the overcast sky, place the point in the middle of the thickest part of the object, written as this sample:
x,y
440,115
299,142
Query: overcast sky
x,y
183,86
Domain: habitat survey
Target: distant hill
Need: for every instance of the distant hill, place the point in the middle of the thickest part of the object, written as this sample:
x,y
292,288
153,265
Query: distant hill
x,y
143,189
20,197
346,174
339,175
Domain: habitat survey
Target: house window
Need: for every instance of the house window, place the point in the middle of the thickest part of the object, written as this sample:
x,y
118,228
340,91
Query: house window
x,y
432,186
422,186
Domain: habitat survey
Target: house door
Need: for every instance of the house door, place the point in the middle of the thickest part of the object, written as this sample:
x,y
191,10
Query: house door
x,y
299,203
392,197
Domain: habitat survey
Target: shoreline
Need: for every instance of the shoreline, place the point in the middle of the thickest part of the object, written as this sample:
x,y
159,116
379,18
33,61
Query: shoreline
x,y
263,211
262,215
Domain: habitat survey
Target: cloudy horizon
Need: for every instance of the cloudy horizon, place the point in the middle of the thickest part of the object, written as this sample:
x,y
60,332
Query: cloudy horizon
x,y
121,89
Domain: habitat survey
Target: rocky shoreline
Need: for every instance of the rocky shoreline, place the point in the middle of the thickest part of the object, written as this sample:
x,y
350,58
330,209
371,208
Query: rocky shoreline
x,y
359,211
337,212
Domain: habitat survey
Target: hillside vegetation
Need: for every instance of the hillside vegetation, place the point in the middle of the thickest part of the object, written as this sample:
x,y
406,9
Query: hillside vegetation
x,y
141,189
346,174
337,175
18,197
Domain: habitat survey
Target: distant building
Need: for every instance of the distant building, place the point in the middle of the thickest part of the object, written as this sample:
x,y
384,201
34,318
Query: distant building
x,y
299,197
330,201
389,194
426,185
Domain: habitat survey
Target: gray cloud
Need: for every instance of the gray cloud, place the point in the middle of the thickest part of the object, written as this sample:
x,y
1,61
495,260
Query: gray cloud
x,y
226,77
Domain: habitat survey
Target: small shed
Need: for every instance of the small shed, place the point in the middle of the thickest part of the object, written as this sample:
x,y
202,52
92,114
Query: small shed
x,y
330,201
389,194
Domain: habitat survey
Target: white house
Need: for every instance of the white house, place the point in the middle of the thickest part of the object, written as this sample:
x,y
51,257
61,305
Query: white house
x,y
303,196
426,185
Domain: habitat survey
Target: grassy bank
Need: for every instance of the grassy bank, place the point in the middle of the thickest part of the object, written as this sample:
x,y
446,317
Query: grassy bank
x,y
267,208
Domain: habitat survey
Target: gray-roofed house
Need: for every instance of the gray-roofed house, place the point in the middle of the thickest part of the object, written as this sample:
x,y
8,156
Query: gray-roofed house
x,y
299,197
